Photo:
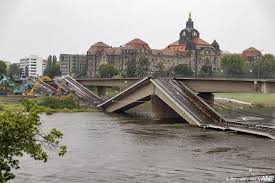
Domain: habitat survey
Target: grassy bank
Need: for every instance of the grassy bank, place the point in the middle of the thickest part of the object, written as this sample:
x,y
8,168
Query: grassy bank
x,y
47,105
258,99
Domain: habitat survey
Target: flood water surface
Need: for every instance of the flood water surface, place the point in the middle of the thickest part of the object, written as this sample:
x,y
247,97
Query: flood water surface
x,y
118,148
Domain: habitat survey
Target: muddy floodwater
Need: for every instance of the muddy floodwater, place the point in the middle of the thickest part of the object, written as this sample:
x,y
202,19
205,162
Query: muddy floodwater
x,y
120,148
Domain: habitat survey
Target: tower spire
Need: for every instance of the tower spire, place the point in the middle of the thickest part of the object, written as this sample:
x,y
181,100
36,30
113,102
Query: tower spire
x,y
190,16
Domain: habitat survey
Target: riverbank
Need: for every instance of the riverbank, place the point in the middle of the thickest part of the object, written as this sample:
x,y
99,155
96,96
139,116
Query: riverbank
x,y
256,99
46,105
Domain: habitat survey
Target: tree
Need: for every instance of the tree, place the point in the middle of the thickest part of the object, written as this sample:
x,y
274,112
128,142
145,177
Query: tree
x,y
182,70
107,71
232,65
52,68
206,71
20,135
265,67
27,71
160,70
142,67
14,71
3,67
131,70
79,72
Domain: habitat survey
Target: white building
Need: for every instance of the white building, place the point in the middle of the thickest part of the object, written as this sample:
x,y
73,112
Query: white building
x,y
32,66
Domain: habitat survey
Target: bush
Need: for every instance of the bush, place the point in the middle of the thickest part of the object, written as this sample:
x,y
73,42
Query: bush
x,y
28,104
55,103
69,102
51,102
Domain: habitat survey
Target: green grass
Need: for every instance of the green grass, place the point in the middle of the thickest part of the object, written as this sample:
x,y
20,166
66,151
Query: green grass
x,y
47,110
267,100
18,107
12,107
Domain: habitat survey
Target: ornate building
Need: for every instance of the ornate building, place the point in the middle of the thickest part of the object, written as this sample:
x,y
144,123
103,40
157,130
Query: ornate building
x,y
251,55
190,49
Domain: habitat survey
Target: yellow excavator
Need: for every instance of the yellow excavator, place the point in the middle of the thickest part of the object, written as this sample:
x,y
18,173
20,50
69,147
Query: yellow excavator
x,y
36,84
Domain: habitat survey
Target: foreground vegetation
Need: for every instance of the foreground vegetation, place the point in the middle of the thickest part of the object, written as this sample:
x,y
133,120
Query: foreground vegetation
x,y
20,135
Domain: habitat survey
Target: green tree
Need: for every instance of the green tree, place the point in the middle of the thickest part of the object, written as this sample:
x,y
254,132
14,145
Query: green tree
x,y
79,72
27,71
52,68
20,135
206,71
160,70
131,70
182,70
107,71
233,65
3,67
14,71
265,68
142,67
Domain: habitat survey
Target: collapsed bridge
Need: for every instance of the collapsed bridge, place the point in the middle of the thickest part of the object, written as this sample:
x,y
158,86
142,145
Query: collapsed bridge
x,y
172,98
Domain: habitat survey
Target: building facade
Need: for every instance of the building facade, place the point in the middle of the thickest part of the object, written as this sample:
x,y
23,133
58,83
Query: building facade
x,y
32,66
190,49
75,65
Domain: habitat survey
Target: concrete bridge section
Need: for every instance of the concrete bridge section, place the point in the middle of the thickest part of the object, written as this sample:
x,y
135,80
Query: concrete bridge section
x,y
171,98
200,85
68,85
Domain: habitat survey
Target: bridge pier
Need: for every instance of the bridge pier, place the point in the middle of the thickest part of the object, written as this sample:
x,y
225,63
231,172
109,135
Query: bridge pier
x,y
207,97
160,110
101,91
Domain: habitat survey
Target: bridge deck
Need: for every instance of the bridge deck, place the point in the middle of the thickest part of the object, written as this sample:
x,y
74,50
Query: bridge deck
x,y
184,102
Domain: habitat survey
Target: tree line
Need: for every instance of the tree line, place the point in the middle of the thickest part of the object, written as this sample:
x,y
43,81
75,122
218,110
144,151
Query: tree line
x,y
15,72
232,65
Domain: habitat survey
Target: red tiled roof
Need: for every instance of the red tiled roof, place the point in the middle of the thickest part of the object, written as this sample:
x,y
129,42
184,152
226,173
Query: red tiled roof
x,y
199,41
251,52
176,43
137,43
251,49
113,51
97,47
100,44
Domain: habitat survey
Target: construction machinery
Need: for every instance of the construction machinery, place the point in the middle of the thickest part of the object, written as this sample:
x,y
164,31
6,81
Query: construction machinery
x,y
6,84
40,87
23,88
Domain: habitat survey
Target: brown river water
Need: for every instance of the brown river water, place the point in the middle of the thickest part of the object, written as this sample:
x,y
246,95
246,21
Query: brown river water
x,y
119,148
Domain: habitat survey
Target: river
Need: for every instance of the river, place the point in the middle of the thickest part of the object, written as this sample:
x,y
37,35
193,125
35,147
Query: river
x,y
119,148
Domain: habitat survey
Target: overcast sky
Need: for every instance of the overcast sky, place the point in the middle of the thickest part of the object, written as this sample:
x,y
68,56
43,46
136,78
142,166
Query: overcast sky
x,y
44,27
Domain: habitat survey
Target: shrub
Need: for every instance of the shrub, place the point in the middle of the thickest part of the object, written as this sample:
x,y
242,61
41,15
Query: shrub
x,y
69,102
51,102
55,103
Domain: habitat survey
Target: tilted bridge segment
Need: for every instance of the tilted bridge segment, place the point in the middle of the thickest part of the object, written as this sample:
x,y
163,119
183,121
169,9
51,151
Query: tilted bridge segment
x,y
69,85
172,98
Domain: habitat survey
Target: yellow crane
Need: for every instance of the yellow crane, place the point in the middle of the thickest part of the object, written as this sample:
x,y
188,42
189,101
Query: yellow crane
x,y
36,84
